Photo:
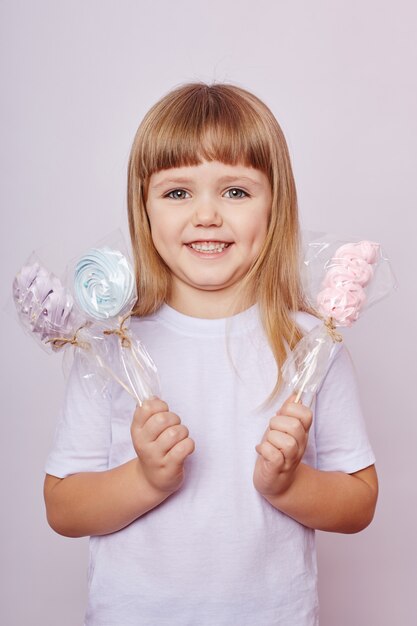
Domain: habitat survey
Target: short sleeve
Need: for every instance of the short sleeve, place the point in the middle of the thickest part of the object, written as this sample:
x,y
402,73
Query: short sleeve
x,y
83,433
342,442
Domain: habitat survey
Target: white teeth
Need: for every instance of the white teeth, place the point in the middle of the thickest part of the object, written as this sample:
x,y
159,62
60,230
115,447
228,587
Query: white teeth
x,y
209,246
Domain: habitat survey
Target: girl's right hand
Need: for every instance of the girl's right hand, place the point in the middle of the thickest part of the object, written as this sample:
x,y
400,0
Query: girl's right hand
x,y
161,443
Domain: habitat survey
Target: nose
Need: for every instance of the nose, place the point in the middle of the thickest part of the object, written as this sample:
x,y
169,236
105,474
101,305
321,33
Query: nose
x,y
206,213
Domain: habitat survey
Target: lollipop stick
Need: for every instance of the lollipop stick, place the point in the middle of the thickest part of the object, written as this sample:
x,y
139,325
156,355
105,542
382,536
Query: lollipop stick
x,y
116,378
136,358
299,394
310,370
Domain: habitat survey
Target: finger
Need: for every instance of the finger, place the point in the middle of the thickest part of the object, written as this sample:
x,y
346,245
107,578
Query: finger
x,y
287,424
301,412
272,454
149,407
285,443
157,423
170,437
181,450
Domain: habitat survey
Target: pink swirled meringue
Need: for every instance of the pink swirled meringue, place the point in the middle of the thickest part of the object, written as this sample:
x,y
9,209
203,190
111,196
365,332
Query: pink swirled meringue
x,y
366,250
342,304
349,270
343,270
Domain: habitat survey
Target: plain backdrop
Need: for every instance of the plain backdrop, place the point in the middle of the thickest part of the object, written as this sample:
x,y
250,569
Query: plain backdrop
x,y
340,76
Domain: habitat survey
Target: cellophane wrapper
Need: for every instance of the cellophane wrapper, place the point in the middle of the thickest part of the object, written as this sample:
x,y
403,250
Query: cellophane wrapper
x,y
306,365
319,256
44,305
46,311
130,366
103,284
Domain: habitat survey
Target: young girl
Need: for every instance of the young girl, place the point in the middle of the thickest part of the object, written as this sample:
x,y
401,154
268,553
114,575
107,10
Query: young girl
x,y
202,505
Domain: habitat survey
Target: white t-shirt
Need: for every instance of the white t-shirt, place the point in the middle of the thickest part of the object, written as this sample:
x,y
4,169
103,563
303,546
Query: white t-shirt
x,y
214,553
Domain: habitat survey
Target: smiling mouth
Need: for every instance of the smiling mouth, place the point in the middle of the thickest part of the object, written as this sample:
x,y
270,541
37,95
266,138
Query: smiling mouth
x,y
209,247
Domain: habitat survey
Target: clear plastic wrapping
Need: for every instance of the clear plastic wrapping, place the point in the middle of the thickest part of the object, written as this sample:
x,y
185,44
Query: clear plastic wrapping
x,y
341,279
45,306
90,310
331,262
104,287
306,365
125,359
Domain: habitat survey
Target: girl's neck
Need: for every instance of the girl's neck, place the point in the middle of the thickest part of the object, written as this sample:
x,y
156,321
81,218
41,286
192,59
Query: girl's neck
x,y
206,304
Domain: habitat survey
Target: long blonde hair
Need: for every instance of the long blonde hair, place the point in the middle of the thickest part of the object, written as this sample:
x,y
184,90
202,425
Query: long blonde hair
x,y
226,123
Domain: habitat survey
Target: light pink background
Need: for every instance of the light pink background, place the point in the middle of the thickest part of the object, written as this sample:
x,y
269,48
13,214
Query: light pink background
x,y
340,76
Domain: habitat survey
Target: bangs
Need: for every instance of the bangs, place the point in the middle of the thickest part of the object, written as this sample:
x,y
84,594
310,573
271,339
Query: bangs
x,y
201,122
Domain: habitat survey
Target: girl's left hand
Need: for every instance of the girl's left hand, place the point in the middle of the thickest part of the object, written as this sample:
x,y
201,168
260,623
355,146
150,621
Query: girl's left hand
x,y
282,448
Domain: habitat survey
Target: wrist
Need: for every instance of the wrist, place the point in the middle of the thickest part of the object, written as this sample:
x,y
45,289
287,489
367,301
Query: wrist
x,y
148,489
283,486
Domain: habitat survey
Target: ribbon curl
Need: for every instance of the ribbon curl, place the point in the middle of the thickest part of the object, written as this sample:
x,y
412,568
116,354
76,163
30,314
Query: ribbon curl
x,y
331,328
60,342
121,332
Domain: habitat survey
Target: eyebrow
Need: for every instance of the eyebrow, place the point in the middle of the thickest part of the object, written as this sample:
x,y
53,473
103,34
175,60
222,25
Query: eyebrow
x,y
223,179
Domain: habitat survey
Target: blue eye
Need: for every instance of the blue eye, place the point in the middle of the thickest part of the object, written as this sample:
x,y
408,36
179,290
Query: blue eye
x,y
238,190
168,195
177,193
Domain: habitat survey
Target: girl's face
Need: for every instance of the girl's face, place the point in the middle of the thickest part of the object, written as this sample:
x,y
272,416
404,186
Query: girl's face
x,y
208,223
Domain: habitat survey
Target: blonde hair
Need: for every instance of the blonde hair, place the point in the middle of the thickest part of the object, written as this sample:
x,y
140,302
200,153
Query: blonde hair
x,y
226,123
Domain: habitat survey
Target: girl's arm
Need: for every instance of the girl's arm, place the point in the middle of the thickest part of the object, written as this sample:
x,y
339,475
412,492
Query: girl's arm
x,y
97,503
331,501
324,500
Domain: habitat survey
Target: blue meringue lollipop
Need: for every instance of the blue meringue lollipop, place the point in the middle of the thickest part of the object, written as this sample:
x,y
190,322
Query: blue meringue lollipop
x,y
104,283
104,287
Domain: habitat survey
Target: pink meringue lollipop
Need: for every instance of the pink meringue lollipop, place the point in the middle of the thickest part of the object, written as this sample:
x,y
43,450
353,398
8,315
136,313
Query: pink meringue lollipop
x,y
366,250
342,296
340,302
354,270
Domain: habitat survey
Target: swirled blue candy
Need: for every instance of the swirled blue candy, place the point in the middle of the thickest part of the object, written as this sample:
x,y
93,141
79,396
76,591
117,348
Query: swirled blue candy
x,y
104,283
